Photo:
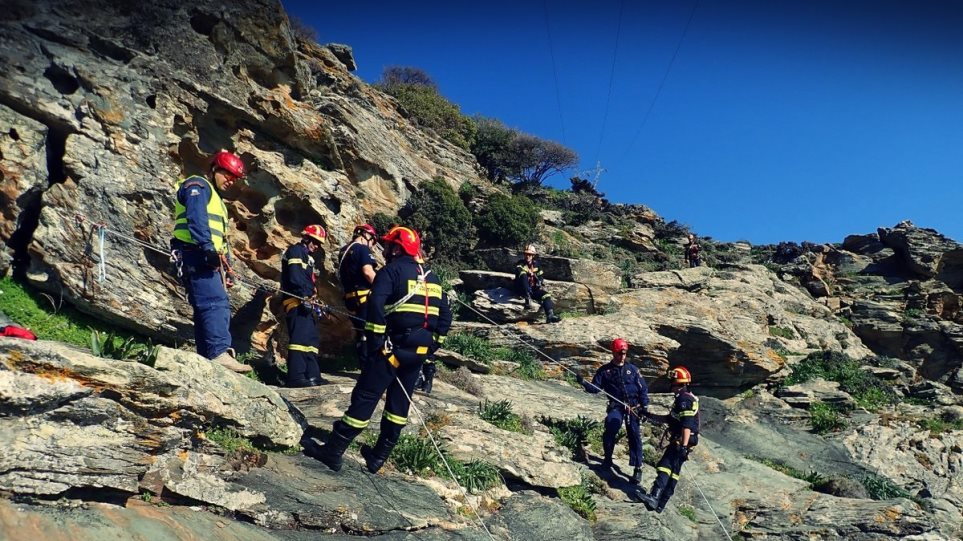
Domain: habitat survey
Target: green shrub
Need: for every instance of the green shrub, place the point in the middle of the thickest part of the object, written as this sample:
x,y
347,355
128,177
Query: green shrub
x,y
492,148
415,456
472,346
441,217
579,498
881,488
572,434
475,476
501,415
529,368
230,440
383,222
688,512
508,221
825,418
814,478
940,425
781,332
110,346
429,109
869,391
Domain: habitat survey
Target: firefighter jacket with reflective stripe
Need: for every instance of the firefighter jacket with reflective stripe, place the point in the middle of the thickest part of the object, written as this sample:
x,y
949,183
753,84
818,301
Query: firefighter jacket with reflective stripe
x,y
623,382
396,281
684,414
297,271
200,217
534,273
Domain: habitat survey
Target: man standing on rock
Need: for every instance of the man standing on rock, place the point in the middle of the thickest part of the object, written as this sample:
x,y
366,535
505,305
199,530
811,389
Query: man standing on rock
x,y
683,427
530,282
628,398
301,317
408,318
692,258
356,271
199,247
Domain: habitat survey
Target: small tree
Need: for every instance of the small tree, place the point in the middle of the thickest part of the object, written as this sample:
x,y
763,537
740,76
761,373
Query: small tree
x,y
441,217
406,75
418,95
491,147
534,159
508,221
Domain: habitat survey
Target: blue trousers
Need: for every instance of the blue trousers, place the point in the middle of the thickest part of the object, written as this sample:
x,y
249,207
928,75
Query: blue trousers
x,y
613,422
303,341
212,310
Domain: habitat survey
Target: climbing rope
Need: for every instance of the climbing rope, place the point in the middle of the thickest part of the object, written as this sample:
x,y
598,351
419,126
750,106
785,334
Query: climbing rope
x,y
444,460
563,367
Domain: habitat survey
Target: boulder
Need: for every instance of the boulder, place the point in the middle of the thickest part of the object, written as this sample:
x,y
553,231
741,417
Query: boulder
x,y
604,276
691,279
495,296
921,249
344,54
803,395
83,421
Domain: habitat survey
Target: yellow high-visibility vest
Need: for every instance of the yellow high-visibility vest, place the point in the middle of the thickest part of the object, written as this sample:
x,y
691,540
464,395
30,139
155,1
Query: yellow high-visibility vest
x,y
216,218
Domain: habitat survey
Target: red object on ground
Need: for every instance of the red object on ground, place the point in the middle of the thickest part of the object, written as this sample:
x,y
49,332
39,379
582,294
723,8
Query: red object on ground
x,y
17,332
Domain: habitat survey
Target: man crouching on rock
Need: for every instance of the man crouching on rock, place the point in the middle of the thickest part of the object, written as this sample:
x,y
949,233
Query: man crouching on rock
x,y
408,317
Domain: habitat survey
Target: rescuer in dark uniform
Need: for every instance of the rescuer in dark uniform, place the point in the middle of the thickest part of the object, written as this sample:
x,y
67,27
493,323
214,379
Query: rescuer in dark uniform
x,y
297,278
408,316
356,271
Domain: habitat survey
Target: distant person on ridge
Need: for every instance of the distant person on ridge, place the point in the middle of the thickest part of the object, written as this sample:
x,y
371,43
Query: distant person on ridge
x,y
692,258
683,428
356,271
408,318
297,278
621,380
202,256
530,283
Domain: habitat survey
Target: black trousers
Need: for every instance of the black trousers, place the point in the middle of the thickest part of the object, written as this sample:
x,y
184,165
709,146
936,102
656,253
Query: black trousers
x,y
385,371
668,468
358,306
303,340
524,288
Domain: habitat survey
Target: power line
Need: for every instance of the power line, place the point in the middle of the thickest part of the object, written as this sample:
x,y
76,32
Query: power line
x,y
665,76
551,52
608,99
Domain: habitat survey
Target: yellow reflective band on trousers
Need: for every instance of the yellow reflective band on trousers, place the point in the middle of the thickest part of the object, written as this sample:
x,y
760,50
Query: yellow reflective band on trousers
x,y
393,361
299,347
666,471
396,419
421,350
354,423
217,218
416,309
375,328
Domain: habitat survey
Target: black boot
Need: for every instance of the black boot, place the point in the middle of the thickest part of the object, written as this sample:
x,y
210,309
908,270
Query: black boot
x,y
331,455
607,464
637,476
376,456
528,303
428,377
550,316
652,501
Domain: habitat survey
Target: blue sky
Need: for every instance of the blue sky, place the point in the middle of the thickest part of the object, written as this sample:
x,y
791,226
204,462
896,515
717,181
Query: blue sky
x,y
776,120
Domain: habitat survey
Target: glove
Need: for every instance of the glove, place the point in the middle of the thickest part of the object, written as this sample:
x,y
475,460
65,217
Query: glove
x,y
435,346
684,451
212,259
579,379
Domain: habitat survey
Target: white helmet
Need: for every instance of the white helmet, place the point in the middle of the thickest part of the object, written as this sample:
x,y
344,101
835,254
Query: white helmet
x,y
530,249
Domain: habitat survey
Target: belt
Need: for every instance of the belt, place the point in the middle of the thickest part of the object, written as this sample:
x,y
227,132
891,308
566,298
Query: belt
x,y
358,293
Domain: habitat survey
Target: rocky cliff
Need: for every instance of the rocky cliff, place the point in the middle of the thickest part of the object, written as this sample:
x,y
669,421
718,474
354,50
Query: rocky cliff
x,y
830,376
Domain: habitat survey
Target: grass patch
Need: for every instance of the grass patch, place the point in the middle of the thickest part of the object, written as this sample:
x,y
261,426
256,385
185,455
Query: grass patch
x,y
781,332
573,434
417,456
814,479
579,498
230,440
881,488
529,368
688,512
912,314
51,319
940,425
867,390
483,351
825,418
501,415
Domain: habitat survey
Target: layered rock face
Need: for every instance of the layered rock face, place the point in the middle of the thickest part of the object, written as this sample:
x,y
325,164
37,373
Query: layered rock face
x,y
106,105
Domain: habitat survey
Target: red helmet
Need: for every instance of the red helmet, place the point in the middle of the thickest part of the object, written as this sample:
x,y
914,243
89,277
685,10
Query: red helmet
x,y
316,232
680,376
405,237
229,162
366,229
619,344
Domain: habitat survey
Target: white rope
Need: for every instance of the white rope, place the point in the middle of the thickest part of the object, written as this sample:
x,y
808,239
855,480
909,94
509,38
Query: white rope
x,y
102,266
563,367
444,460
